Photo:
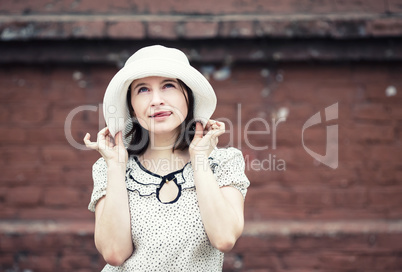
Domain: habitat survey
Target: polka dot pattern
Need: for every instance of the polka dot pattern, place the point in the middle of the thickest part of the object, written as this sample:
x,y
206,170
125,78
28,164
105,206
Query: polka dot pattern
x,y
170,236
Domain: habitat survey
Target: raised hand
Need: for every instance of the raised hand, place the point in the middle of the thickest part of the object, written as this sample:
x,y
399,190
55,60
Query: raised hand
x,y
205,140
112,150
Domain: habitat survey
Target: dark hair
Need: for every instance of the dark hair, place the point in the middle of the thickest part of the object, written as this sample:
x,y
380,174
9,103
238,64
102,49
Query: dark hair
x,y
140,136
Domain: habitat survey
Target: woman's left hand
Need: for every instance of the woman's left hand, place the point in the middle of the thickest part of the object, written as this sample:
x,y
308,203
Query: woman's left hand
x,y
205,140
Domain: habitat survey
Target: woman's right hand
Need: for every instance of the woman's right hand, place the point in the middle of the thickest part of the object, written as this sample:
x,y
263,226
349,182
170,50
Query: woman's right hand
x,y
113,151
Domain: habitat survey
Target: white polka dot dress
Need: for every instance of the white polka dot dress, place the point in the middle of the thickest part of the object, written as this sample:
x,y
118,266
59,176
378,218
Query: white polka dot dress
x,y
170,236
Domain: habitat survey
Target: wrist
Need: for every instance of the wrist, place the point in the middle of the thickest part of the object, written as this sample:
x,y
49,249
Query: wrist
x,y
199,162
116,166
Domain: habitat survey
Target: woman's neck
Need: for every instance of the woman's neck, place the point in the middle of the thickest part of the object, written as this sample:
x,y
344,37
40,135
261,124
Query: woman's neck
x,y
164,161
160,150
161,145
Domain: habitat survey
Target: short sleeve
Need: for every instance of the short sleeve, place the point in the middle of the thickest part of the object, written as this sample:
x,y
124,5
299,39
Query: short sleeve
x,y
228,167
99,175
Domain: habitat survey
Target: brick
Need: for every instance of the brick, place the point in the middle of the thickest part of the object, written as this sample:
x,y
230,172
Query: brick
x,y
328,93
241,90
61,196
384,154
5,115
57,212
273,28
259,261
6,260
59,154
394,6
74,114
44,263
271,196
372,74
384,176
224,7
73,261
351,198
48,30
378,92
295,28
385,198
39,135
65,84
8,213
20,84
372,111
20,156
370,132
28,114
233,29
24,196
12,175
84,29
365,6
161,30
341,29
293,156
126,30
313,198
385,27
231,262
11,135
74,176
301,177
200,30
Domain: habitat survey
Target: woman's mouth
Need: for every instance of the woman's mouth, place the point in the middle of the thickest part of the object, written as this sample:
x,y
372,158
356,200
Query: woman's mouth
x,y
161,115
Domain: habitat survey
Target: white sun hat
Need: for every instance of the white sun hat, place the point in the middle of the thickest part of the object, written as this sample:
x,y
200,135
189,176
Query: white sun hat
x,y
160,61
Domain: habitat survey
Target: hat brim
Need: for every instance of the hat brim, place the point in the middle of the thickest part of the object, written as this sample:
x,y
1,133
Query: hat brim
x,y
115,106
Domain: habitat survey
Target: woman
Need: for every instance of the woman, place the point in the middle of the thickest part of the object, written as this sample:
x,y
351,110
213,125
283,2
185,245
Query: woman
x,y
165,198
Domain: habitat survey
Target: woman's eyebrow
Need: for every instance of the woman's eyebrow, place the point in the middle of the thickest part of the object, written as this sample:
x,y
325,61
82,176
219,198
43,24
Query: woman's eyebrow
x,y
169,80
163,82
139,85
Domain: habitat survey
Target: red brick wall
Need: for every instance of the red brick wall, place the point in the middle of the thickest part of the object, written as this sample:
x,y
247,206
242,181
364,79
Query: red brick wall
x,y
45,178
172,20
268,59
200,7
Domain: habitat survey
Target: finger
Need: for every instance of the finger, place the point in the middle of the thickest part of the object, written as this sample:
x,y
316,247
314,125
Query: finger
x,y
209,124
217,131
109,141
102,133
87,137
199,131
88,143
220,125
214,133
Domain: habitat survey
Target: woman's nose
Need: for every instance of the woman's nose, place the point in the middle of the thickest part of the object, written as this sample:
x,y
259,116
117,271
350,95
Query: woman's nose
x,y
157,98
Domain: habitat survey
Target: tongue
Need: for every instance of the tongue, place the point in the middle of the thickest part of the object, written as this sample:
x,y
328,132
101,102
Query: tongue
x,y
162,114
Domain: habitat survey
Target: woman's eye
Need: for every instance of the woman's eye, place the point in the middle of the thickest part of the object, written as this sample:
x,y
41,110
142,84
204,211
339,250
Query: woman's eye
x,y
168,85
142,90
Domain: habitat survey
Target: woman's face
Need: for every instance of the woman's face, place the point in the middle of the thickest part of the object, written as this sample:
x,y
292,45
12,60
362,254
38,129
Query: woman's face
x,y
159,104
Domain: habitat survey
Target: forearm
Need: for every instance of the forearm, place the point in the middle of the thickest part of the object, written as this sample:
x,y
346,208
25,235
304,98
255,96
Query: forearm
x,y
113,227
222,224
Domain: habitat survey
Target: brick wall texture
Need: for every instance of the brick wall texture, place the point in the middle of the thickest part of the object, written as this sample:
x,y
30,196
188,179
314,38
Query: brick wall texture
x,y
301,215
